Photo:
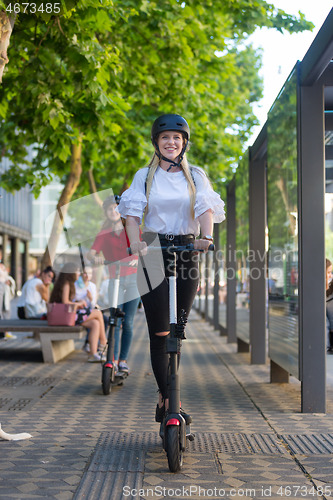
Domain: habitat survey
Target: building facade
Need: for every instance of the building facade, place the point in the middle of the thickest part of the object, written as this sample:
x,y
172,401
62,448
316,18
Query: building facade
x,y
15,230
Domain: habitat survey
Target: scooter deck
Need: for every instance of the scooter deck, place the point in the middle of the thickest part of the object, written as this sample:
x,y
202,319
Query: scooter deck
x,y
119,378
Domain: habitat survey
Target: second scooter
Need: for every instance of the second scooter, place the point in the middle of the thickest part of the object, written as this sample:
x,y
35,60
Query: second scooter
x,y
110,375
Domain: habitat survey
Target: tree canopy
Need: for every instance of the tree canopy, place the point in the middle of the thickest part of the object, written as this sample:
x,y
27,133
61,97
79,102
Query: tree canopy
x,y
97,74
282,172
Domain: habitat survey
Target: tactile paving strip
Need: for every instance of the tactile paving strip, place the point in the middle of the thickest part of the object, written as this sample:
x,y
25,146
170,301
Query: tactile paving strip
x,y
118,461
236,443
209,442
4,402
10,404
20,381
309,444
204,442
20,392
117,441
18,404
105,486
136,460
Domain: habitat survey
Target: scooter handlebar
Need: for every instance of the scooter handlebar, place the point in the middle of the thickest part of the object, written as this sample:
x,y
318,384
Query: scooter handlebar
x,y
116,263
109,262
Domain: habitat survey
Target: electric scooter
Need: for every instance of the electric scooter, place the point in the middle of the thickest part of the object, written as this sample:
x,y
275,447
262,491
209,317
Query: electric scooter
x,y
109,375
173,429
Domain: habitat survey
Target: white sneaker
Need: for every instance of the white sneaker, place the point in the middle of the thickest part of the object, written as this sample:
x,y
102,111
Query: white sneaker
x,y
9,335
96,358
123,367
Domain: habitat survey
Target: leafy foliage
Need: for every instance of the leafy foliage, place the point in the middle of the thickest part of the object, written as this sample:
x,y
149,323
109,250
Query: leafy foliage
x,y
99,72
282,168
242,209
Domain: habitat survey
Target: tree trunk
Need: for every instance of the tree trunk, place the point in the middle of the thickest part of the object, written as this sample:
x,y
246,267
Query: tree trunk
x,y
93,188
6,28
124,187
281,184
65,197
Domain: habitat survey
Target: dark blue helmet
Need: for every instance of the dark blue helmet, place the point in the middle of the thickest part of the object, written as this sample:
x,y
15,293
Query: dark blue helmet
x,y
170,122
111,200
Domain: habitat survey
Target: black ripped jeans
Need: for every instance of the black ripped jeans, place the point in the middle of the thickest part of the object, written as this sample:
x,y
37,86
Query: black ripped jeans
x,y
155,298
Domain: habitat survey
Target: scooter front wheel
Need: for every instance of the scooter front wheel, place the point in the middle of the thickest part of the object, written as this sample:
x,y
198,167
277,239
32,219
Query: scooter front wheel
x,y
106,380
174,453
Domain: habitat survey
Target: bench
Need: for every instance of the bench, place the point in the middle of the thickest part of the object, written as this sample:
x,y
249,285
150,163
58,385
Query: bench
x,y
56,341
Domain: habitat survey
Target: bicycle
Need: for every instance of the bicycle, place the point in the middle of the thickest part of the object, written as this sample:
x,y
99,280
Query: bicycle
x,y
173,429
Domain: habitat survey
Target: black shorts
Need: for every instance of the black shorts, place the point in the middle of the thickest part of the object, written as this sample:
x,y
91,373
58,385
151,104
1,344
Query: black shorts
x,y
153,271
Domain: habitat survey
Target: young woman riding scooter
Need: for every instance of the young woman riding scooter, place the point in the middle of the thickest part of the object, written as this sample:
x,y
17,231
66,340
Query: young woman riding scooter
x,y
178,203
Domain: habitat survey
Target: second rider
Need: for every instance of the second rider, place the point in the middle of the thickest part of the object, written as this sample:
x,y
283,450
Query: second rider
x,y
112,242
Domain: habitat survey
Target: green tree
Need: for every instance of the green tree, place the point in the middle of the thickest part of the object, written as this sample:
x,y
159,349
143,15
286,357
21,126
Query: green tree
x,y
83,88
26,14
6,28
282,167
67,102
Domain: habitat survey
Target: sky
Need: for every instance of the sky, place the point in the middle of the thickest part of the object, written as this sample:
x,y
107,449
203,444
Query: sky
x,y
281,51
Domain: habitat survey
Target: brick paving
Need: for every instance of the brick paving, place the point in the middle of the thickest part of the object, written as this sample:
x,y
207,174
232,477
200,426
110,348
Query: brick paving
x,y
251,439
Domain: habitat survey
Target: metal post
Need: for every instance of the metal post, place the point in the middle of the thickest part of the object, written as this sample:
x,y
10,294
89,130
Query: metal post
x,y
5,255
201,296
206,276
312,345
231,263
16,271
25,270
216,277
257,226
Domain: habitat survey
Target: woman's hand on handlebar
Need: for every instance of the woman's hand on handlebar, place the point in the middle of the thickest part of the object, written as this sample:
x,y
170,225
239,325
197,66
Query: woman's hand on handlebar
x,y
202,245
139,247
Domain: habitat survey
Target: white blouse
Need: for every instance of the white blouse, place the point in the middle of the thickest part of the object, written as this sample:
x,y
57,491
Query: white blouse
x,y
169,201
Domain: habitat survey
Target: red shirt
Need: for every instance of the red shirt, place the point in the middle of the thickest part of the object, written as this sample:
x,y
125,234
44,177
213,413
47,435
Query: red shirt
x,y
114,248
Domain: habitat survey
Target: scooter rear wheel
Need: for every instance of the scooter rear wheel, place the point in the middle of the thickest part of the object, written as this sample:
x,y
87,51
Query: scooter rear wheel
x,y
106,380
174,453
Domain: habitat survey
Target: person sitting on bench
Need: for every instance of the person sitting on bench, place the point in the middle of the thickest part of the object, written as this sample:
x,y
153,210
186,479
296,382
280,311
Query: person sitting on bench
x,y
35,295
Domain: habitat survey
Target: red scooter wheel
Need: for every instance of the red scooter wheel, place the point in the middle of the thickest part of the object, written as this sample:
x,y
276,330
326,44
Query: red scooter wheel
x,y
174,453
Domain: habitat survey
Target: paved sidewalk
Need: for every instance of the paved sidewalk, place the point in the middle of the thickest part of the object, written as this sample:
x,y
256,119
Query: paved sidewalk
x,y
251,439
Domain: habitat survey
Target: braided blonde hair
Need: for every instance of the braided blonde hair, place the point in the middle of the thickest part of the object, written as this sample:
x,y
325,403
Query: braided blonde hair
x,y
154,163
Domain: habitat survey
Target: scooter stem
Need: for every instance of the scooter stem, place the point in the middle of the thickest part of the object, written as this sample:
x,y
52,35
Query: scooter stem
x,y
174,388
114,302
